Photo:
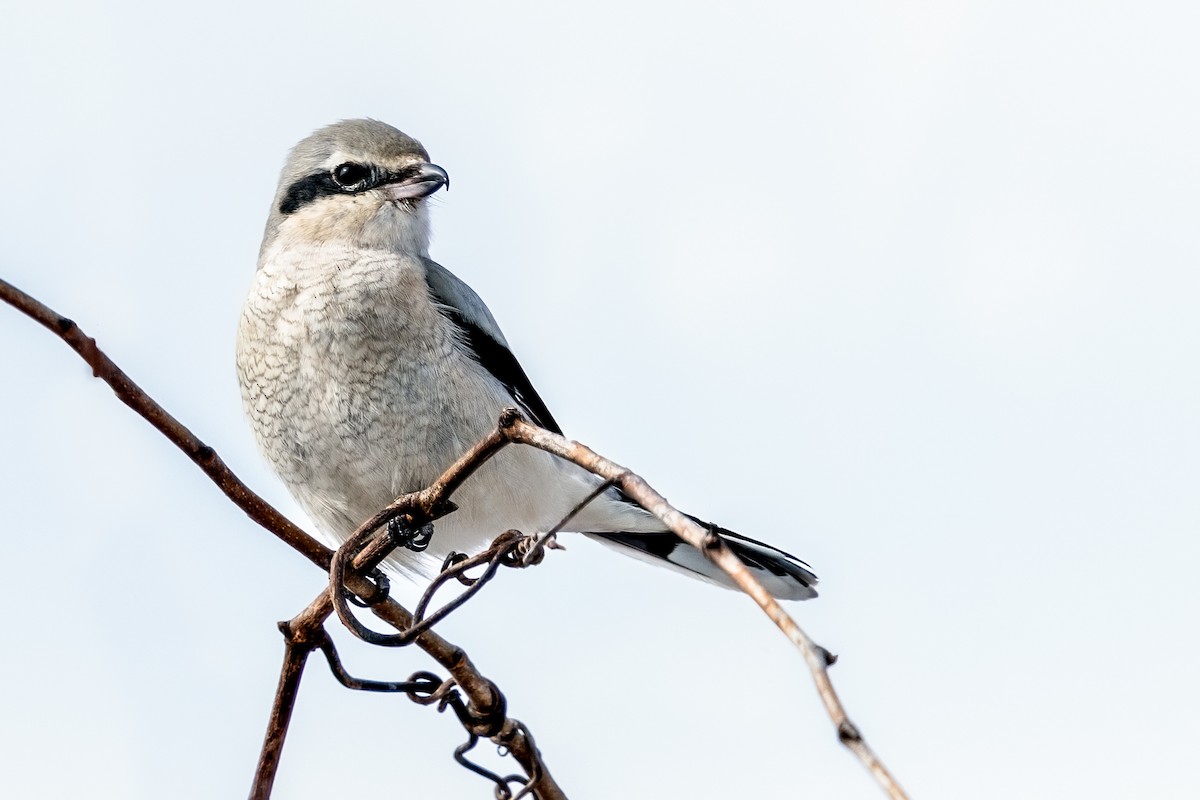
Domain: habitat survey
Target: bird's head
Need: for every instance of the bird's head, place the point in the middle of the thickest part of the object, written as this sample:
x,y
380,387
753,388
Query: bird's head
x,y
359,182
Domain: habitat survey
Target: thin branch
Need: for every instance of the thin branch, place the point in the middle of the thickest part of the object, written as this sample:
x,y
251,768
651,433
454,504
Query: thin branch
x,y
485,714
295,656
715,549
484,698
201,454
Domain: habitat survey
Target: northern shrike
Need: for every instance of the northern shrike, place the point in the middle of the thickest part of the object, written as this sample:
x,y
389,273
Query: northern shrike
x,y
366,368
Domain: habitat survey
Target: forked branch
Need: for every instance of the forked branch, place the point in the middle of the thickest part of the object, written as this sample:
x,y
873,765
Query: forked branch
x,y
483,714
483,697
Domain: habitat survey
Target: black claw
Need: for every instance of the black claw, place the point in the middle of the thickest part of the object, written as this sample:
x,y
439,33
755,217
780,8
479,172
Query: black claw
x,y
405,536
383,588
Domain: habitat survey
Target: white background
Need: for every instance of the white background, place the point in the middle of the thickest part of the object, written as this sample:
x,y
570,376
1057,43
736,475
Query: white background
x,y
907,289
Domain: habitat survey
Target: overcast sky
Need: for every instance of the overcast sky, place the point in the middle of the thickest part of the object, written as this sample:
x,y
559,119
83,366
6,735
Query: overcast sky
x,y
907,289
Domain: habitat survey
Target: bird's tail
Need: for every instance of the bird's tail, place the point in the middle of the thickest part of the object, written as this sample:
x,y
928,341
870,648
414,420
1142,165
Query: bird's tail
x,y
782,574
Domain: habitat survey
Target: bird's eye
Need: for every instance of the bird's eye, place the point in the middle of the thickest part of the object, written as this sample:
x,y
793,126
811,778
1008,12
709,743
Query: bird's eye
x,y
351,175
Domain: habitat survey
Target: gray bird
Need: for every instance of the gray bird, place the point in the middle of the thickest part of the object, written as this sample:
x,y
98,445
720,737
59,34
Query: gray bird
x,y
366,368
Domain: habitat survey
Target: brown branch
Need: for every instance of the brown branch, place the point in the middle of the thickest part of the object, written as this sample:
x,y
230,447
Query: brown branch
x,y
715,549
419,507
484,698
201,454
295,656
486,703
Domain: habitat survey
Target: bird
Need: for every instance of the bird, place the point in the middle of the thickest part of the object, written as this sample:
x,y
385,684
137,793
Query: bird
x,y
366,368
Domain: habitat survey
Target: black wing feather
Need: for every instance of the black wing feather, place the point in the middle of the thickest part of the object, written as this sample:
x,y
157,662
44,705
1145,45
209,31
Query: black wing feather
x,y
501,363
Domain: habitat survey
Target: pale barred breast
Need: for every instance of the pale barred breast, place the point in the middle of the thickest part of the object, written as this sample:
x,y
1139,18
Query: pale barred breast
x,y
353,381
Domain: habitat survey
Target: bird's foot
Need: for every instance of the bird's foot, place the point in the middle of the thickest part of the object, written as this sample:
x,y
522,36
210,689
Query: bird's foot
x,y
408,537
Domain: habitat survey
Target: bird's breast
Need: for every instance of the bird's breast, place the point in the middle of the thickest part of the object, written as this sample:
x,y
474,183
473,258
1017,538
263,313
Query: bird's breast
x,y
351,379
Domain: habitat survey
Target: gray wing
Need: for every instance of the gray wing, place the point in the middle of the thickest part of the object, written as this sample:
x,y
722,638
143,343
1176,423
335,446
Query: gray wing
x,y
482,336
784,575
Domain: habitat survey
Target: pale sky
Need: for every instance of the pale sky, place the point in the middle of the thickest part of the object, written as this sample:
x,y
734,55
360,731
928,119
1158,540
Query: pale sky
x,y
908,290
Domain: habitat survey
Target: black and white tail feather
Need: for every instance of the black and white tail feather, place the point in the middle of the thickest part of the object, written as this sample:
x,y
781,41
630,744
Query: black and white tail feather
x,y
782,574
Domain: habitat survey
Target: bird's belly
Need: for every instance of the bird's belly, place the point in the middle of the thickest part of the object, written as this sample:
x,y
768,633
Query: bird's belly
x,y
369,429
366,456
358,426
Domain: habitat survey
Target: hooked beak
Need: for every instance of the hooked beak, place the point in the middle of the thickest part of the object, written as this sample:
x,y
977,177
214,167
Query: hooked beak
x,y
416,182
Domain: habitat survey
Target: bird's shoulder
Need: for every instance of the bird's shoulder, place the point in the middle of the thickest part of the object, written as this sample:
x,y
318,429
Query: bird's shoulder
x,y
448,290
481,335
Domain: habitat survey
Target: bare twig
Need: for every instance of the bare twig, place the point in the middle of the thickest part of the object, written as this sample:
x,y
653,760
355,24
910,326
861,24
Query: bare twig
x,y
201,454
513,428
714,548
484,714
295,656
485,701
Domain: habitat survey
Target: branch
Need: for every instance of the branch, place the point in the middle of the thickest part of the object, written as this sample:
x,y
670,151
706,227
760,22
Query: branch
x,y
418,508
484,698
714,548
485,714
201,454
